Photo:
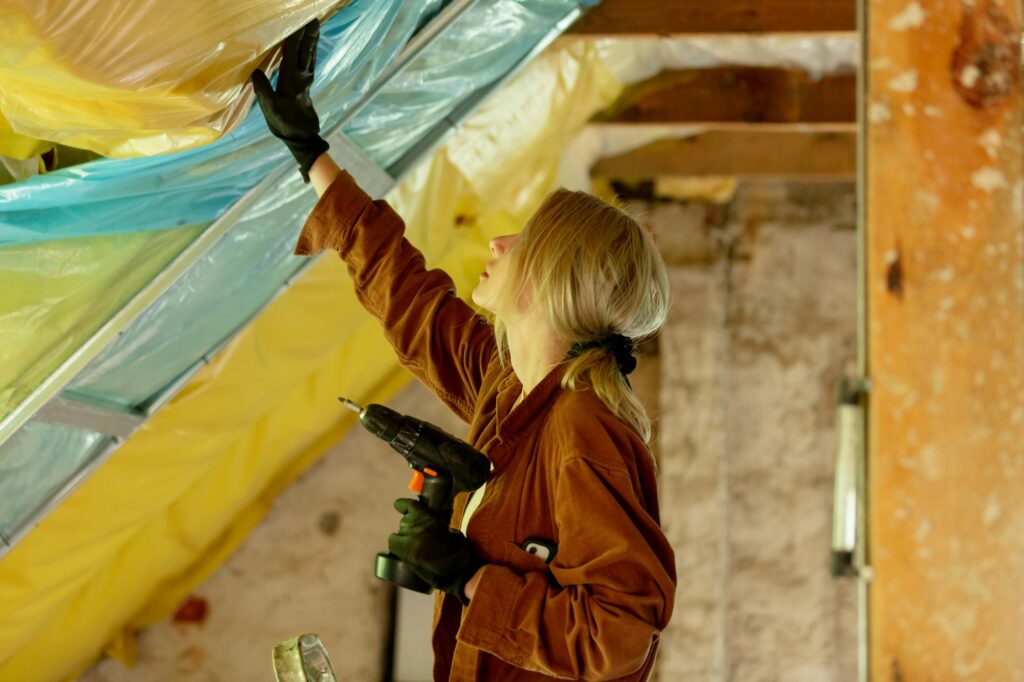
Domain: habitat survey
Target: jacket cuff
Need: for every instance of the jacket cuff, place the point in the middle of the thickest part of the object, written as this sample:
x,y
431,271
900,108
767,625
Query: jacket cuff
x,y
330,224
485,622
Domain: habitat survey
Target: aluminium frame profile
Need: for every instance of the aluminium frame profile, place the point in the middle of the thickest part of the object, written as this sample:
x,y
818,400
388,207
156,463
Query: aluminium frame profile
x,y
444,128
88,415
446,17
28,521
378,181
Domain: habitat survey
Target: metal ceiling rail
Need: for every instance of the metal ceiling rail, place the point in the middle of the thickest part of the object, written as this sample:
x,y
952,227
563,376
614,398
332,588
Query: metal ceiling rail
x,y
90,416
32,518
115,326
444,128
45,403
419,42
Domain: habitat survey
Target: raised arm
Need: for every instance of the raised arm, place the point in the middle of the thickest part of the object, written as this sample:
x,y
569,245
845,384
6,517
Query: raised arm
x,y
436,335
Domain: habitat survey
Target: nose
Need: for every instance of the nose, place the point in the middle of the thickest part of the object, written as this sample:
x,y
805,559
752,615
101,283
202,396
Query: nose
x,y
501,245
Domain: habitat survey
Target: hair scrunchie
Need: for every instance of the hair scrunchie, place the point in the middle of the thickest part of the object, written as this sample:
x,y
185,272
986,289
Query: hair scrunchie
x,y
620,346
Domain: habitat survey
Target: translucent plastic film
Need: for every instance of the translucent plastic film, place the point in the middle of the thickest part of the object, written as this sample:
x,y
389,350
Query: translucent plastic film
x,y
137,77
236,278
216,296
189,486
18,146
34,464
483,45
198,185
55,296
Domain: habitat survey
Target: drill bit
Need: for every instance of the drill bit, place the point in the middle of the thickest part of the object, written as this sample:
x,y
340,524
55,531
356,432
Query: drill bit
x,y
350,405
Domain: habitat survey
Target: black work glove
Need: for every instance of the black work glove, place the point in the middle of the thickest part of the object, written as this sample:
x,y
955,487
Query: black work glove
x,y
442,557
289,111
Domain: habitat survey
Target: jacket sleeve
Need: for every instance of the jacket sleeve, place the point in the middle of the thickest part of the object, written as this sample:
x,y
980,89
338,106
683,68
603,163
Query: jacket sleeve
x,y
443,341
613,590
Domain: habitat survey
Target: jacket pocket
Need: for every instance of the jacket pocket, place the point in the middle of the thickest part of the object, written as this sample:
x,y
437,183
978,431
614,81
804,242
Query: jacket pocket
x,y
519,558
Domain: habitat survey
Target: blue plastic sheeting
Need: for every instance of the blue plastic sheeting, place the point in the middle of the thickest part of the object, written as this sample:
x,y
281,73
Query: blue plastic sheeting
x,y
236,278
215,297
35,463
198,185
485,43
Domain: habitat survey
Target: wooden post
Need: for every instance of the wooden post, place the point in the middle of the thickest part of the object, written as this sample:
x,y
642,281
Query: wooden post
x,y
945,261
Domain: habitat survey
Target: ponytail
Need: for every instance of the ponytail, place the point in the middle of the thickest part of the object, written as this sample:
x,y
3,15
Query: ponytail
x,y
598,276
605,373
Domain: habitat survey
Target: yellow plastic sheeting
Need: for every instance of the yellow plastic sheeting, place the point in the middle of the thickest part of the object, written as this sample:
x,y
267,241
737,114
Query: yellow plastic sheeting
x,y
57,294
180,496
107,75
19,146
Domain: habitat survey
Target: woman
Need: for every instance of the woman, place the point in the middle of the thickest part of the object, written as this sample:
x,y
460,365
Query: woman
x,y
562,570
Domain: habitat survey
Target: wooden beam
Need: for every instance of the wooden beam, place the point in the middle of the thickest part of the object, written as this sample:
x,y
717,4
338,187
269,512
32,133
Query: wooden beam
x,y
737,94
744,152
687,17
945,340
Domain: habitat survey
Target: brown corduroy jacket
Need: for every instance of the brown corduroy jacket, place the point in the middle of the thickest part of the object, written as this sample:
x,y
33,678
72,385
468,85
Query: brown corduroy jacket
x,y
566,472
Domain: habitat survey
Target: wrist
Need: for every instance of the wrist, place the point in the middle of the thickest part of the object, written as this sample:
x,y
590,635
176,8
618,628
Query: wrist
x,y
471,584
323,172
307,152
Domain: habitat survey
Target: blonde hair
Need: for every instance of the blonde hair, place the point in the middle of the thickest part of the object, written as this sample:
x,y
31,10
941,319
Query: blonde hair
x,y
595,271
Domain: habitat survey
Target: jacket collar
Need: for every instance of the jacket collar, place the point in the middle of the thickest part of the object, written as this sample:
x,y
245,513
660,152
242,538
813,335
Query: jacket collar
x,y
513,422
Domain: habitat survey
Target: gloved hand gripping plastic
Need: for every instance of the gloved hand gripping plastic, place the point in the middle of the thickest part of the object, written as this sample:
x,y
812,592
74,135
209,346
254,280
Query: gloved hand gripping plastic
x,y
289,110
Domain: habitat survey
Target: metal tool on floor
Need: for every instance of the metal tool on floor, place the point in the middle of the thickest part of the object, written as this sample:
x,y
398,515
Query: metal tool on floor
x,y
302,659
443,466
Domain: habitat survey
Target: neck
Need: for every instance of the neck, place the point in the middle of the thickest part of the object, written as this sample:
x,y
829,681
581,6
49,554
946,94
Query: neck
x,y
533,351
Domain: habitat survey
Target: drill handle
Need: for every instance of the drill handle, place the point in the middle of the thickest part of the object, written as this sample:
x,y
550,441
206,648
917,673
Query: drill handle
x,y
438,494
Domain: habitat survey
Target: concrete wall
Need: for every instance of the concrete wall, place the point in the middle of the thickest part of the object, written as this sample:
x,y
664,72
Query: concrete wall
x,y
761,328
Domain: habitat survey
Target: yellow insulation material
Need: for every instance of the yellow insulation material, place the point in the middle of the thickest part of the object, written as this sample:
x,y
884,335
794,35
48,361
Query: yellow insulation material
x,y
175,501
94,74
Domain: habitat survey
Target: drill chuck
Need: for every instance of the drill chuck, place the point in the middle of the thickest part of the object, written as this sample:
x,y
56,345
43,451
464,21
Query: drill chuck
x,y
425,446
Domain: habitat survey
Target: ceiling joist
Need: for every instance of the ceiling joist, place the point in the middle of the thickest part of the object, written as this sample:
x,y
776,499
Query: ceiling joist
x,y
621,18
745,152
737,95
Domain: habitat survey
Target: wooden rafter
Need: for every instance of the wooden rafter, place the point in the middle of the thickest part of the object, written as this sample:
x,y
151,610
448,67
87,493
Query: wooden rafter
x,y
682,17
749,152
737,95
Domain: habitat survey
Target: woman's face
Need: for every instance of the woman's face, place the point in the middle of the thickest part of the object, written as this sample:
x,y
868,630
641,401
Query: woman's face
x,y
495,276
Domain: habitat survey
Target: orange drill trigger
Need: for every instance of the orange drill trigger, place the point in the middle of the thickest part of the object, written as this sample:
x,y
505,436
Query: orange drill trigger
x,y
416,484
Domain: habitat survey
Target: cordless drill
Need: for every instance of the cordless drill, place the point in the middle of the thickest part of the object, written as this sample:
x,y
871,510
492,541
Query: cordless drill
x,y
443,466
